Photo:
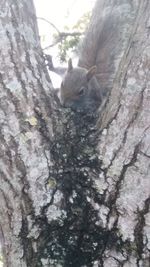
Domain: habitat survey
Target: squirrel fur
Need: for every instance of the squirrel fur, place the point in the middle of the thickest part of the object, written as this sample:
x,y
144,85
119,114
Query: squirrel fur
x,y
80,88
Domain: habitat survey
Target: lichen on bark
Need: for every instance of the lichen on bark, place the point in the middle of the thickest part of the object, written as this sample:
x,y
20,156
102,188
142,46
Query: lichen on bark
x,y
74,187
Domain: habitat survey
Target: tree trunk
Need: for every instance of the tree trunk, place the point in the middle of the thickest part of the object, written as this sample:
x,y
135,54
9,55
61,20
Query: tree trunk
x,y
75,187
108,35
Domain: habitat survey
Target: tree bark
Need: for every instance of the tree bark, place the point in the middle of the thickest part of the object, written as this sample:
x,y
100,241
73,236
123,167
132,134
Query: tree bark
x,y
108,35
74,187
24,85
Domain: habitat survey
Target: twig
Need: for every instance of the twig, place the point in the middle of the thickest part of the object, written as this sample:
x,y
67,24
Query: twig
x,y
61,35
49,23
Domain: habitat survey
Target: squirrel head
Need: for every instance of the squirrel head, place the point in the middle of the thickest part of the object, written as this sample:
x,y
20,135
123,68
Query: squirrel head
x,y
74,91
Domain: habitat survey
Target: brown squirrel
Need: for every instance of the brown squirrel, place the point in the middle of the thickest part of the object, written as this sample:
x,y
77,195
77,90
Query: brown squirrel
x,y
80,88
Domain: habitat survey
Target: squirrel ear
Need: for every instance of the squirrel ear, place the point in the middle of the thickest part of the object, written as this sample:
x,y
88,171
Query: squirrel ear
x,y
70,66
91,72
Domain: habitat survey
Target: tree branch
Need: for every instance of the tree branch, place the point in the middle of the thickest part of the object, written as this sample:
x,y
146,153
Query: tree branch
x,y
61,35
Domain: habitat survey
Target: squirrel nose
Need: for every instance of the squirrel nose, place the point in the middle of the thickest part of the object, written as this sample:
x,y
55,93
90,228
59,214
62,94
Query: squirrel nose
x,y
62,101
66,104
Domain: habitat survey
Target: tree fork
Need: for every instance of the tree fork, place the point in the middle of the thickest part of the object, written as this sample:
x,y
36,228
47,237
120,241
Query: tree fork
x,y
74,187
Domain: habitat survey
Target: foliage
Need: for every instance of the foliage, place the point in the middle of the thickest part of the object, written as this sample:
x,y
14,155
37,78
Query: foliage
x,y
69,44
66,46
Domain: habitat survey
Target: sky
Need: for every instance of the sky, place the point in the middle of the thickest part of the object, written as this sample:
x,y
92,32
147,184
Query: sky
x,y
60,13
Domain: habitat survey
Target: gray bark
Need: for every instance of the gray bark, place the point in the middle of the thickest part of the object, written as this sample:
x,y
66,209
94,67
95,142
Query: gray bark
x,y
108,35
74,188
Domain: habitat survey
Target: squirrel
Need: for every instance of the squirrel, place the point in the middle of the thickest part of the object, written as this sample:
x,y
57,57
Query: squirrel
x,y
80,89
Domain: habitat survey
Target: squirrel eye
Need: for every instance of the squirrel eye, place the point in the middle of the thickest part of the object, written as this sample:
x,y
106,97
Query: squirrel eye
x,y
81,91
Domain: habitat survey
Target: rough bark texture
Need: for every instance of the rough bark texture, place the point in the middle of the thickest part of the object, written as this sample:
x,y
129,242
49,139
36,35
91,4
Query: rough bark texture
x,y
107,37
74,187
24,85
